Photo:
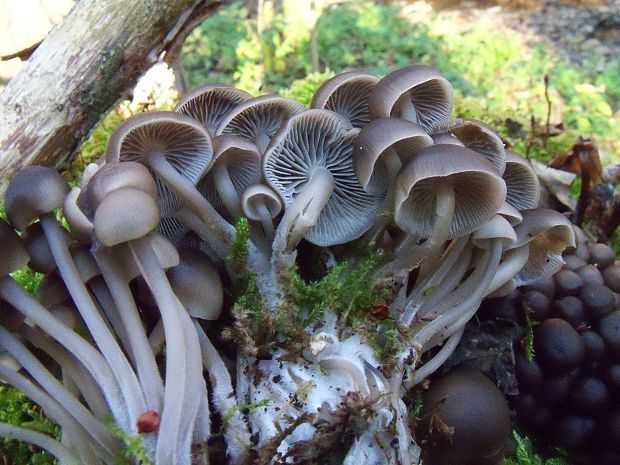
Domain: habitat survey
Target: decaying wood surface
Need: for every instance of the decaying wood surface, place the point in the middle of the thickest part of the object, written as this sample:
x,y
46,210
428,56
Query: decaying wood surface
x,y
86,64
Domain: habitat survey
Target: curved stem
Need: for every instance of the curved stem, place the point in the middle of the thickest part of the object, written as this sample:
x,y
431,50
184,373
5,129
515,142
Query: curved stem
x,y
40,440
36,369
514,260
224,186
92,360
172,448
138,344
193,199
97,327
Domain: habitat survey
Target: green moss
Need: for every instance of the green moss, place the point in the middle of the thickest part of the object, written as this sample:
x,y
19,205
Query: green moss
x,y
526,455
134,452
17,409
527,343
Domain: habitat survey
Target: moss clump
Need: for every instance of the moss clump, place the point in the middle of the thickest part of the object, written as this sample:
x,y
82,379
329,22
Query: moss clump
x,y
526,455
134,452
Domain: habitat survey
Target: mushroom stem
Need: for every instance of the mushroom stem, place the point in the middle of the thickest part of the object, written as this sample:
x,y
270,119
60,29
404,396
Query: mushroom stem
x,y
46,380
58,414
514,260
97,327
171,446
235,429
92,360
444,215
226,189
40,440
191,197
304,212
138,344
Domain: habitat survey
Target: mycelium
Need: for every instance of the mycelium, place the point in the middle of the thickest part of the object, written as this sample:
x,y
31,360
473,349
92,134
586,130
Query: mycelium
x,y
347,246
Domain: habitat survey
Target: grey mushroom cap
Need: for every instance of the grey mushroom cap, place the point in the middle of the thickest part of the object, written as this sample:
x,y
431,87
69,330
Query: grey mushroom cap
x,y
416,93
236,164
380,149
347,94
184,142
211,103
478,136
479,191
523,187
13,253
32,192
260,118
318,143
259,194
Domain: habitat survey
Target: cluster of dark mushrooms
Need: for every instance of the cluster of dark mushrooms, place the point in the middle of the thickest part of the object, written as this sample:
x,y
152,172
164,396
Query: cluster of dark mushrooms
x,y
375,164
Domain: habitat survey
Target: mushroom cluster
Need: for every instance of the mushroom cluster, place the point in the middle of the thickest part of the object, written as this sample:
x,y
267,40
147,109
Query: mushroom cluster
x,y
569,390
230,205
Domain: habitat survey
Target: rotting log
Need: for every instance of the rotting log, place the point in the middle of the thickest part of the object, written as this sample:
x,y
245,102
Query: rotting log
x,y
85,65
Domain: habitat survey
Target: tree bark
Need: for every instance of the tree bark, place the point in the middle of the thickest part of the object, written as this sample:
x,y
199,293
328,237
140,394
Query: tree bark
x,y
86,64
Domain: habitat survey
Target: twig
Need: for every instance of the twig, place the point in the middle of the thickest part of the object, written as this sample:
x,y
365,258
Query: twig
x,y
548,122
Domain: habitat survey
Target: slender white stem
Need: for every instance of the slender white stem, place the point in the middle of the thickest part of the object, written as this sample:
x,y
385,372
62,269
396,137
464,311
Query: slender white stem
x,y
40,440
220,177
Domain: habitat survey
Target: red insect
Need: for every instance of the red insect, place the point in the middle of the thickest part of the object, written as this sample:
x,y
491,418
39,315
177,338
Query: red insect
x,y
148,422
380,312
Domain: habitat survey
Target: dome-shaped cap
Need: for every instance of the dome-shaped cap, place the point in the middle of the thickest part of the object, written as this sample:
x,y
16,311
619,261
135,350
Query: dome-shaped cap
x,y
13,254
347,94
416,93
259,119
479,191
125,214
381,147
211,103
320,141
185,144
32,192
259,194
523,188
497,228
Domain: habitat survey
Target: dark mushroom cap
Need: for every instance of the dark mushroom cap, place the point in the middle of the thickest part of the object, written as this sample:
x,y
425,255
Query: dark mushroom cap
x,y
211,103
347,94
594,346
569,308
183,141
319,140
574,432
589,273
557,346
13,254
573,262
32,192
598,300
41,257
567,283
602,255
609,329
538,303
589,396
611,276
10,317
546,285
260,118
531,413
528,372
470,403
415,93
555,389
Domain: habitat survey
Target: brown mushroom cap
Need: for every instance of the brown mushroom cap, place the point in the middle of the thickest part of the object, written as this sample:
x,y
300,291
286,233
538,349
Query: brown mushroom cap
x,y
347,94
13,254
478,190
211,103
416,93
32,192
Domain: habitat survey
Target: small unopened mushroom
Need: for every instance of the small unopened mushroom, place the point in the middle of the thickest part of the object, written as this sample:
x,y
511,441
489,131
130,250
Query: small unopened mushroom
x,y
261,203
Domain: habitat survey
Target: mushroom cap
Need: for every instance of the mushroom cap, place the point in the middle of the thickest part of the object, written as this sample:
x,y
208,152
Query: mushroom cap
x,y
420,87
478,190
41,257
10,317
13,254
32,192
241,159
52,290
198,285
558,346
395,138
80,226
321,140
210,104
445,138
523,188
548,233
184,142
347,94
112,176
260,118
125,214
475,410
482,138
496,228
265,194
511,214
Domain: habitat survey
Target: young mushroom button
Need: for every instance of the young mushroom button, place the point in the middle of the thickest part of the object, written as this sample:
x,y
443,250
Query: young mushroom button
x,y
310,165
